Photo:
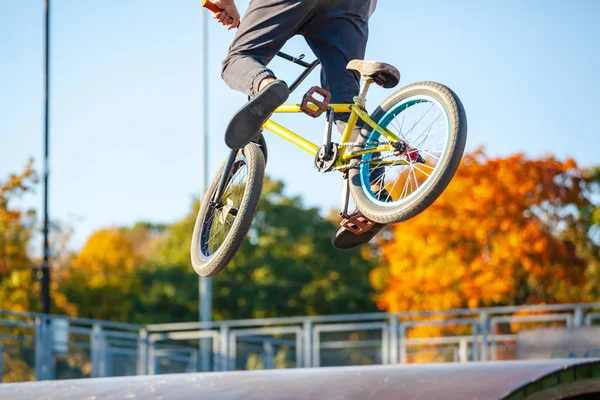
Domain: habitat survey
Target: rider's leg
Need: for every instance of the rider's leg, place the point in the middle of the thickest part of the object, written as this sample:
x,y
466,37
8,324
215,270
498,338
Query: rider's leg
x,y
264,29
337,35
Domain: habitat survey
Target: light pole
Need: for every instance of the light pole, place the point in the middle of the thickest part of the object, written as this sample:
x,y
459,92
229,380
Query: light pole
x,y
46,246
205,283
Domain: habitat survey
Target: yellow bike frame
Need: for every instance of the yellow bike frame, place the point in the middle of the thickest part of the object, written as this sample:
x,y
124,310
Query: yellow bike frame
x,y
356,111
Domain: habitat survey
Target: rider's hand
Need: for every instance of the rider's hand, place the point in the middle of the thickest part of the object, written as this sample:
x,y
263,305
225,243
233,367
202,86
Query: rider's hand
x,y
230,17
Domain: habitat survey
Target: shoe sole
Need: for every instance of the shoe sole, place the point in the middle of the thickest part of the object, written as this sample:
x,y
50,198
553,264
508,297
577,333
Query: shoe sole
x,y
343,239
247,121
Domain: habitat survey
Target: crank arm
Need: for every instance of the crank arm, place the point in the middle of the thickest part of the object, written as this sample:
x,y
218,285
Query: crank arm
x,y
345,195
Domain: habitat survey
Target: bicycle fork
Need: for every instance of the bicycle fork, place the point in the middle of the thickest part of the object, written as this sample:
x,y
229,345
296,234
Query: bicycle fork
x,y
216,201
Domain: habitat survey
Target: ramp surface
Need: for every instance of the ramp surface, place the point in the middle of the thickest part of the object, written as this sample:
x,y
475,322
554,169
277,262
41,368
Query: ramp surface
x,y
552,379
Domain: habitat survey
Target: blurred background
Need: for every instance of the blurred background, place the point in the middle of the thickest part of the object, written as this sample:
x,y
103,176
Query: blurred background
x,y
511,246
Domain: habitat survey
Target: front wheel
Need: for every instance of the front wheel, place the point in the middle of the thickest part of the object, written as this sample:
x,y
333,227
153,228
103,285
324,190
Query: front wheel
x,y
398,184
222,224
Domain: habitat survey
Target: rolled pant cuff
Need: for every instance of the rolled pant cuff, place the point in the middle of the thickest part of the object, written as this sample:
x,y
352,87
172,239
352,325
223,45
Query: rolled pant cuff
x,y
265,73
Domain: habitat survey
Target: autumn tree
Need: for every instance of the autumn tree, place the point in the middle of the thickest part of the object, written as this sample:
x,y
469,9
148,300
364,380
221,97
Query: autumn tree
x,y
19,283
19,267
502,233
101,280
15,223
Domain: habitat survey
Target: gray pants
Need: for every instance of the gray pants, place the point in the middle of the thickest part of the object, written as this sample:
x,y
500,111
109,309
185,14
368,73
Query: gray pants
x,y
335,30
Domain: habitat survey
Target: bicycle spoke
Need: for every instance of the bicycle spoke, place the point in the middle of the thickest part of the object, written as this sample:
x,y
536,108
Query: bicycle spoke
x,y
421,171
428,166
429,127
404,190
420,119
429,154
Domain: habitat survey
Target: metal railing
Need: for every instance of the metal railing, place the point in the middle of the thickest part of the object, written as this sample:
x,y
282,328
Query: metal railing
x,y
38,346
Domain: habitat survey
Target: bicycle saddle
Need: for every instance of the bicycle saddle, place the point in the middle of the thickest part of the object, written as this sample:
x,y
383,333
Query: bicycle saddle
x,y
383,74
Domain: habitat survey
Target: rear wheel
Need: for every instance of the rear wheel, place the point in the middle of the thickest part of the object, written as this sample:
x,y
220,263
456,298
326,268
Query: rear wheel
x,y
222,224
399,184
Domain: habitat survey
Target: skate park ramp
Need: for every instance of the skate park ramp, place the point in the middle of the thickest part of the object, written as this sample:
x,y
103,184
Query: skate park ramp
x,y
575,379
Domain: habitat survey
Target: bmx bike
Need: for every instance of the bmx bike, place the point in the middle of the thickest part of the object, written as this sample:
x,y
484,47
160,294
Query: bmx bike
x,y
409,149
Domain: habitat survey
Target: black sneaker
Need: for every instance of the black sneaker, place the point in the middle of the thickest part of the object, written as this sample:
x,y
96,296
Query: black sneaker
x,y
247,121
343,239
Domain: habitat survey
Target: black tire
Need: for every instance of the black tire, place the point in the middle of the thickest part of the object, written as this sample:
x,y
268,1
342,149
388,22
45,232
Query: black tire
x,y
440,179
211,264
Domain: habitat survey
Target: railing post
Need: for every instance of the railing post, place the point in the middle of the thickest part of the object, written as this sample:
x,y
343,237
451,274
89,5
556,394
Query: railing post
x,y
463,350
231,351
316,348
307,328
98,351
403,350
1,362
151,356
484,322
43,349
142,360
38,349
492,335
385,344
268,354
394,340
475,348
224,347
215,354
578,317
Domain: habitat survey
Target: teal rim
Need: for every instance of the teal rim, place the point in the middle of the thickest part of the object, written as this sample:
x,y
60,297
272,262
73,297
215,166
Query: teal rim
x,y
384,122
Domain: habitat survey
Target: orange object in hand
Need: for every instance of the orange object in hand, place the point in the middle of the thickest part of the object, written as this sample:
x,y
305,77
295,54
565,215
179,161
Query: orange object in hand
x,y
212,7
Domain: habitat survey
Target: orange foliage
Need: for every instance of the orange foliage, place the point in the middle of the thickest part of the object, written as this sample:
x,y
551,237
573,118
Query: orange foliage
x,y
107,257
19,287
490,239
14,234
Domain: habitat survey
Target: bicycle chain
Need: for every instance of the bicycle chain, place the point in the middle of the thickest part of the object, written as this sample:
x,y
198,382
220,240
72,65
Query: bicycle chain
x,y
357,164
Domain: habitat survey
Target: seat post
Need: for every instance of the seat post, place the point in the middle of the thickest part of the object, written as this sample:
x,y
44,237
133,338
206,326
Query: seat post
x,y
364,88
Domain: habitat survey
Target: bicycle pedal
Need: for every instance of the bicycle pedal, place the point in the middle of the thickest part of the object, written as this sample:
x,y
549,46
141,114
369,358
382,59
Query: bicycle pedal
x,y
357,223
309,100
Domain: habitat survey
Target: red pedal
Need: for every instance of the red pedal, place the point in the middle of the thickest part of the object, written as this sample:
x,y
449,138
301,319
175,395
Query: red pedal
x,y
357,223
310,99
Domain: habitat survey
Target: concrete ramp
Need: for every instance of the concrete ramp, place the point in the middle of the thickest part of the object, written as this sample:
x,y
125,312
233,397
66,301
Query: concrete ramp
x,y
573,379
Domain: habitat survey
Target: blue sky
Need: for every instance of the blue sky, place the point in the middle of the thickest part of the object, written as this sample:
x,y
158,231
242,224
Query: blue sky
x,y
125,105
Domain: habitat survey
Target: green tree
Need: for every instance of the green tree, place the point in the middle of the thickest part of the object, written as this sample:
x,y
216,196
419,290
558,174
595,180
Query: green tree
x,y
582,229
286,267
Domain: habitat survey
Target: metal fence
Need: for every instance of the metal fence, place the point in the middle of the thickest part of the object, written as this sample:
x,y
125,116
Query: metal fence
x,y
37,346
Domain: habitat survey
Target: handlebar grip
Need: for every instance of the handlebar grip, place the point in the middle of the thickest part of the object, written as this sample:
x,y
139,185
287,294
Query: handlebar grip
x,y
211,6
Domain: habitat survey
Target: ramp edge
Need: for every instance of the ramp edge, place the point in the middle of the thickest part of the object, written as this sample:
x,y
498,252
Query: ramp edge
x,y
572,380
